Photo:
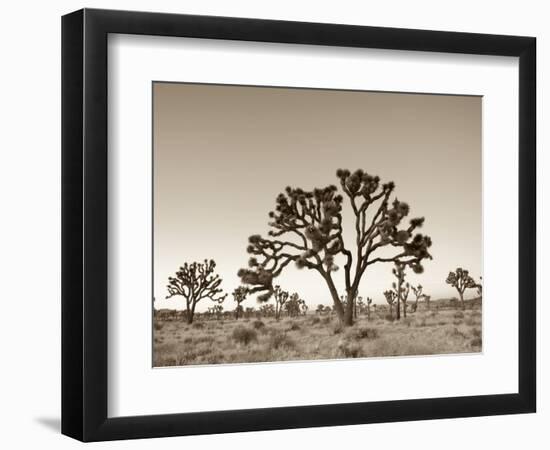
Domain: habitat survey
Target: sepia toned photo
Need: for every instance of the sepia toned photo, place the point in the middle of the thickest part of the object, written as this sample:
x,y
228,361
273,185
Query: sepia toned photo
x,y
297,224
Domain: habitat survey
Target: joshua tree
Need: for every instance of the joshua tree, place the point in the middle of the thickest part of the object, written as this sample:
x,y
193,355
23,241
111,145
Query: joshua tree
x,y
479,287
404,296
267,310
294,305
307,229
360,306
417,291
400,288
216,310
369,302
461,280
249,312
390,298
195,282
358,299
280,299
239,295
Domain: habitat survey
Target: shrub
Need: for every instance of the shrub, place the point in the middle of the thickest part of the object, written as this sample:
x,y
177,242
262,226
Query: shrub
x,y
279,339
326,320
458,315
476,342
389,317
455,332
158,326
257,324
243,335
476,332
198,325
422,323
338,329
315,320
350,349
472,321
365,333
294,327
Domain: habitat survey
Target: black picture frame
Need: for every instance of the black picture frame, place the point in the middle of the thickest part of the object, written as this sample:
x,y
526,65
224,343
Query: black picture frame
x,y
84,224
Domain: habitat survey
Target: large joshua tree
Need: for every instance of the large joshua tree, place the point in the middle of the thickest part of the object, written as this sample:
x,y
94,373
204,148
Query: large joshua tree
x,y
195,282
307,229
461,280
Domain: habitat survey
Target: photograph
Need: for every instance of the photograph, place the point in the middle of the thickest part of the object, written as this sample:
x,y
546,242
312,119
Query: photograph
x,y
298,224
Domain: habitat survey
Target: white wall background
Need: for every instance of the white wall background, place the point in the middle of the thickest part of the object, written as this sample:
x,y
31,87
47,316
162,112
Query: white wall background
x,y
30,221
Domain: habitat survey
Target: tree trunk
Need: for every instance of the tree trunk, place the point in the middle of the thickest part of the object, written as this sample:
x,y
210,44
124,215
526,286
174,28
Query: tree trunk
x,y
237,313
398,309
405,309
335,300
348,316
462,301
189,316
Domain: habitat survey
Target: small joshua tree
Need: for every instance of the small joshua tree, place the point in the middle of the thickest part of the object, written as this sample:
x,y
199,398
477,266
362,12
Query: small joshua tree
x,y
249,312
195,282
369,302
479,287
267,310
417,291
360,306
294,305
239,295
307,230
356,306
401,289
404,296
280,299
390,296
216,310
461,280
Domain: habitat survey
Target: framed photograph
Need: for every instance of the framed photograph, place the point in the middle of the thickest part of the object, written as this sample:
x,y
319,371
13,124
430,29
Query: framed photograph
x,y
272,224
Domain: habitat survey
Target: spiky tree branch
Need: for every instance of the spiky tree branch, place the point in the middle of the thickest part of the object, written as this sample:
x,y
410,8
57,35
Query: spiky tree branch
x,y
195,282
307,230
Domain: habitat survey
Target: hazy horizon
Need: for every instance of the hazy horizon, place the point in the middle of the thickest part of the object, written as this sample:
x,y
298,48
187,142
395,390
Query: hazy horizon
x,y
223,153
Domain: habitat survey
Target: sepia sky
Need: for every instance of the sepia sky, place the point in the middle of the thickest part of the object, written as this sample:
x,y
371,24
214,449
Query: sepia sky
x,y
223,153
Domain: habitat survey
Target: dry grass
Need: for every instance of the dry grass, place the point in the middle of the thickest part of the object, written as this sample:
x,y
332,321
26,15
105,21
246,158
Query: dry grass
x,y
312,337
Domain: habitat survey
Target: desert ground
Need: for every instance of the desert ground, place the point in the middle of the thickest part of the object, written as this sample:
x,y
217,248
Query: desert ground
x,y
442,329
